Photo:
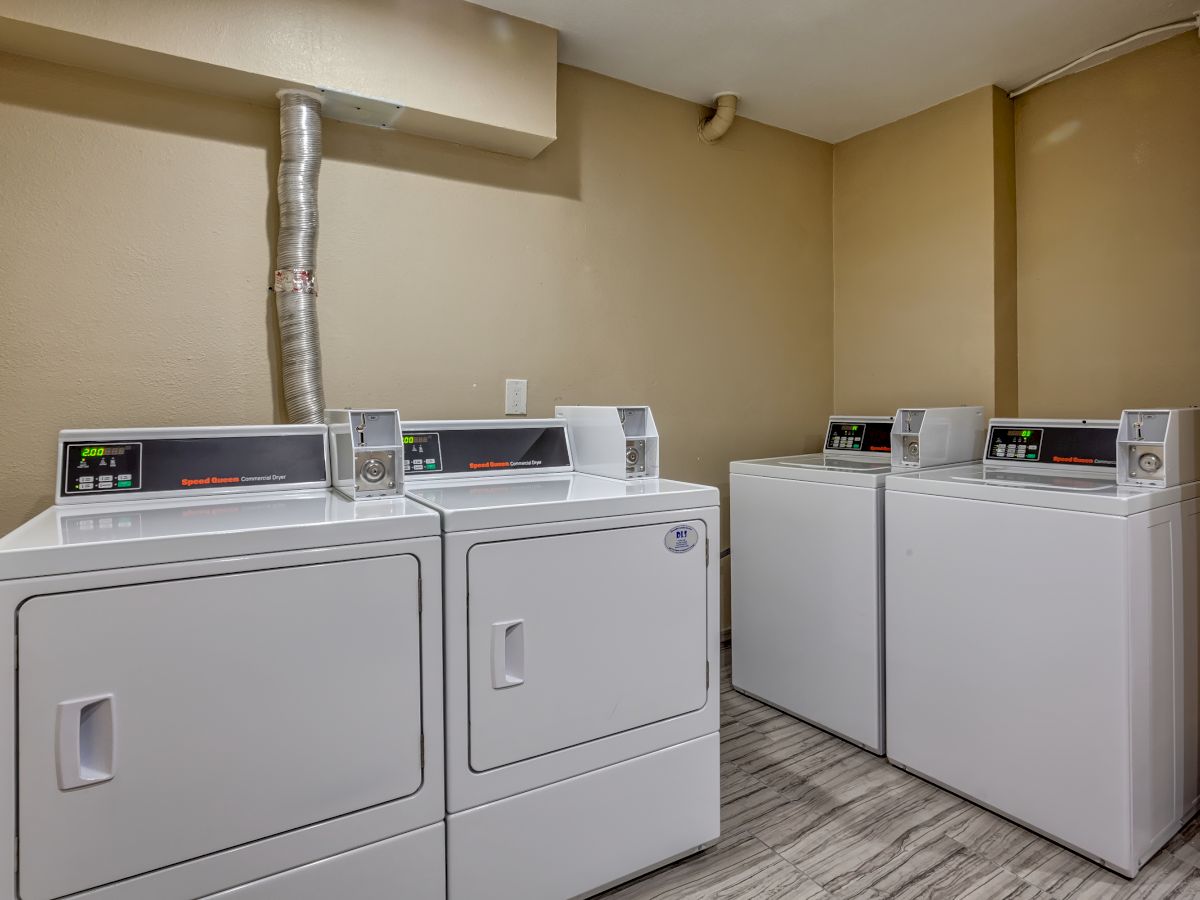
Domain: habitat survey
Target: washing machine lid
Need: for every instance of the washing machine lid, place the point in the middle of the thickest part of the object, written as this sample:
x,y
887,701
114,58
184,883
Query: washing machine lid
x,y
148,532
500,501
1068,490
869,471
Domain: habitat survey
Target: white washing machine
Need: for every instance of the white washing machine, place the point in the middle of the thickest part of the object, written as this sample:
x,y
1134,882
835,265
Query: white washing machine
x,y
806,538
226,680
581,661
1042,634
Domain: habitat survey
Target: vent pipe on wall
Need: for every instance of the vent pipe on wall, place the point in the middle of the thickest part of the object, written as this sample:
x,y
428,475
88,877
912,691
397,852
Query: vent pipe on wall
x,y
296,256
714,127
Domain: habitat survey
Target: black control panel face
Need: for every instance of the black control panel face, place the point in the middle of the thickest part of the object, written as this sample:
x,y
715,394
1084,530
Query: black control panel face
x,y
180,465
522,448
1062,445
863,437
1016,443
422,453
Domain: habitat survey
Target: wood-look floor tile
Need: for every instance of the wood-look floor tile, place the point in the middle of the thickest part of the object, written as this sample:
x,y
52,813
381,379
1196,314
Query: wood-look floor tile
x,y
940,868
1186,844
835,837
807,816
739,869
1165,877
747,803
1063,873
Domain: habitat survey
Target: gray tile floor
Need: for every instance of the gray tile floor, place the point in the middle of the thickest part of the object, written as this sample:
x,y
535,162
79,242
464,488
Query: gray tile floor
x,y
806,816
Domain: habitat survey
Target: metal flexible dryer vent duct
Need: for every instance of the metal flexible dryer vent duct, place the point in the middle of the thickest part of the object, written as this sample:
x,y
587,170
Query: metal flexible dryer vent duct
x,y
296,256
714,127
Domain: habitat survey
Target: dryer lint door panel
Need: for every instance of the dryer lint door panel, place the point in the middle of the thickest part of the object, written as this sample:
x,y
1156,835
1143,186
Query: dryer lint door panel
x,y
578,636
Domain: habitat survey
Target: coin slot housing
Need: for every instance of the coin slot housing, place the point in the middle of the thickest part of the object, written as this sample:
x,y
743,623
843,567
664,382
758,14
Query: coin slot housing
x,y
613,441
366,452
1157,447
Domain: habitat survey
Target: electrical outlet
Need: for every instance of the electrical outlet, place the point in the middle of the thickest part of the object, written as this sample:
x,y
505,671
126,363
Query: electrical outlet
x,y
514,396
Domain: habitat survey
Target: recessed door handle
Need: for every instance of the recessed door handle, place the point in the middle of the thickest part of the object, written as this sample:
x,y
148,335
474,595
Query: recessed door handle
x,y
508,653
87,742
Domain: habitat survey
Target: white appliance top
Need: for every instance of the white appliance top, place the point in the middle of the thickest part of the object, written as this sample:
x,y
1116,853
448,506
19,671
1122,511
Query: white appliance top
x,y
868,472
498,501
1054,489
148,532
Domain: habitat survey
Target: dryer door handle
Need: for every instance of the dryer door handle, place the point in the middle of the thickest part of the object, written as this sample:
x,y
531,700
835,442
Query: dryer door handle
x,y
87,742
508,653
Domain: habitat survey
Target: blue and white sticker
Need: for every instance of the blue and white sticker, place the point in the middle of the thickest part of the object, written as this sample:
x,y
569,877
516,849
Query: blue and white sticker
x,y
681,538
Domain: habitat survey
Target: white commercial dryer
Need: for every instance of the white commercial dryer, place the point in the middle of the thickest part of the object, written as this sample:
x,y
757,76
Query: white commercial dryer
x,y
1043,625
806,535
225,679
581,661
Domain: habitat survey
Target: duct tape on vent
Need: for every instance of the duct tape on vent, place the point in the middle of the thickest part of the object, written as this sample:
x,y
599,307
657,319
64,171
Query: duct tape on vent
x,y
295,281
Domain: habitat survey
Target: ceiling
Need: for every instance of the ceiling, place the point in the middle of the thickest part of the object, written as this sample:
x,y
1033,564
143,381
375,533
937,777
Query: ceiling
x,y
834,68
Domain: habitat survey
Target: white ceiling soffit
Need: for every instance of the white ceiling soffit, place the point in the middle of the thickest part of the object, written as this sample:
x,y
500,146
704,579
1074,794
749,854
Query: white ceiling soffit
x,y
834,68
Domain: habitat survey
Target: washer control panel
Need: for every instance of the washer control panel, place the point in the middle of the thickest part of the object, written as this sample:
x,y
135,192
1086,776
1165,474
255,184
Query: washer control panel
x,y
859,436
1057,443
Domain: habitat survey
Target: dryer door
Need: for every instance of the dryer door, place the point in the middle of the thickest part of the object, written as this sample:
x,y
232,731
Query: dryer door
x,y
578,636
162,722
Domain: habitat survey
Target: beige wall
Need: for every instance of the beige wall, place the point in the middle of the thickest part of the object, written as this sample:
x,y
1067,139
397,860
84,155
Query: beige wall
x,y
1108,180
923,260
442,67
628,263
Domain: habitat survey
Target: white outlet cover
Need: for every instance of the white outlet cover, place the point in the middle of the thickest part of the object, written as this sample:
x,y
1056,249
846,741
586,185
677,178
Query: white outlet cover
x,y
515,391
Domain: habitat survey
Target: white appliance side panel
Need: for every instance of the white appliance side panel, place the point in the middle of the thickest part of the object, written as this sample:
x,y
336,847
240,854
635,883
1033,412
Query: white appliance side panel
x,y
409,867
578,636
1156,675
806,602
1190,640
244,706
1007,672
639,813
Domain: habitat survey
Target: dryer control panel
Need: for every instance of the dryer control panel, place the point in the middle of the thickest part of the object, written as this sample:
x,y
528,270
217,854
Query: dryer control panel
x,y
161,462
1052,442
486,447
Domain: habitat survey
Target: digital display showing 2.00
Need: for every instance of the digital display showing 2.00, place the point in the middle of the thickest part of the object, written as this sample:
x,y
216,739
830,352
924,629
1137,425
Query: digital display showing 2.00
x,y
88,452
